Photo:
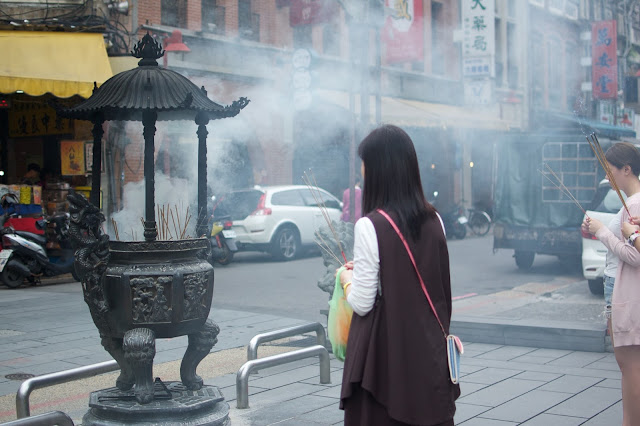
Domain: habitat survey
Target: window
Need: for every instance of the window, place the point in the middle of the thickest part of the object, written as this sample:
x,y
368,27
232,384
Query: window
x,y
212,17
173,13
437,37
538,77
512,56
327,200
302,37
499,57
248,22
555,67
287,198
331,40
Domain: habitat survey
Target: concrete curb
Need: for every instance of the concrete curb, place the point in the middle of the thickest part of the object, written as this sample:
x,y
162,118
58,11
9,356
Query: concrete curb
x,y
577,336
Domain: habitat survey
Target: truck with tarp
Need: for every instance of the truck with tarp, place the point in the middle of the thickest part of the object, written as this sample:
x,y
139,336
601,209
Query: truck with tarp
x,y
532,214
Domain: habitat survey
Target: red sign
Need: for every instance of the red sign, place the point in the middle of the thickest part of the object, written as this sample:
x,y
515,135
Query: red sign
x,y
402,34
306,12
604,59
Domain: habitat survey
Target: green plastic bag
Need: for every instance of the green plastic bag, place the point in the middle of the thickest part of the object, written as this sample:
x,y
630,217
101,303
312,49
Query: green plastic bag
x,y
339,320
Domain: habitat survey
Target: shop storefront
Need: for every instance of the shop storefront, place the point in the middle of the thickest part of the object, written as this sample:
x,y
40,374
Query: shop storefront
x,y
42,155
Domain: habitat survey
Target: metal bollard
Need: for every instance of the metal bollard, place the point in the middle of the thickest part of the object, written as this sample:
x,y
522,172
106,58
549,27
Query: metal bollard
x,y
321,337
51,418
29,385
242,377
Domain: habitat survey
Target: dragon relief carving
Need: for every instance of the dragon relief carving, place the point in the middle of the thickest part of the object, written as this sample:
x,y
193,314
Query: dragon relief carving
x,y
92,254
324,235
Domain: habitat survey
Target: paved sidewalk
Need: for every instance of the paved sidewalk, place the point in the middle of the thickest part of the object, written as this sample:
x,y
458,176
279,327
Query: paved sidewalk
x,y
501,384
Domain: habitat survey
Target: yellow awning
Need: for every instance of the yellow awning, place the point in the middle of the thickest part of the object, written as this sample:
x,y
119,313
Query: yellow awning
x,y
403,112
63,64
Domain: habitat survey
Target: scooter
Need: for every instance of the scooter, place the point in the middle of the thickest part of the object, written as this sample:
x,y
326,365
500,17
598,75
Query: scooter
x,y
24,254
223,241
455,220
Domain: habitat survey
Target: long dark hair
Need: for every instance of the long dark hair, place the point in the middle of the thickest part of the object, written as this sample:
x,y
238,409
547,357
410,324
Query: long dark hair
x,y
392,178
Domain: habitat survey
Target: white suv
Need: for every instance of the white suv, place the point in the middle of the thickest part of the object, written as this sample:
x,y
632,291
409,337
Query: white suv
x,y
277,219
594,253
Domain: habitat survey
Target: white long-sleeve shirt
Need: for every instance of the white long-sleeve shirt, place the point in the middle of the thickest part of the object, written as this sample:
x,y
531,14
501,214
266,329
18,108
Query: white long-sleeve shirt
x,y
366,271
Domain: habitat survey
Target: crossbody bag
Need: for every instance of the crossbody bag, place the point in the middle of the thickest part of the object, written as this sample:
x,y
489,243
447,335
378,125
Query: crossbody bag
x,y
453,343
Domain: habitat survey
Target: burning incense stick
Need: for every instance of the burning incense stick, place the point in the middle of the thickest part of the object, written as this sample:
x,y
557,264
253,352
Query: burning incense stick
x,y
323,209
562,187
600,155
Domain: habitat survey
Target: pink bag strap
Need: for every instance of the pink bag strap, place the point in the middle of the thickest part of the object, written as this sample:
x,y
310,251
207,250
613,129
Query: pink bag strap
x,y
413,261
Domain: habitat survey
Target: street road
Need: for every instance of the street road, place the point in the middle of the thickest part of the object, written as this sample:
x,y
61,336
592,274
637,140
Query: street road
x,y
256,283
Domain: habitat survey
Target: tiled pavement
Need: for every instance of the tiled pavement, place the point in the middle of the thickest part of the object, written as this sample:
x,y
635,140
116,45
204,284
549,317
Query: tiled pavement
x,y
501,385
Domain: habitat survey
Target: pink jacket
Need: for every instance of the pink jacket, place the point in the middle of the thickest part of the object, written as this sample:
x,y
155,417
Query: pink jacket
x,y
625,316
345,204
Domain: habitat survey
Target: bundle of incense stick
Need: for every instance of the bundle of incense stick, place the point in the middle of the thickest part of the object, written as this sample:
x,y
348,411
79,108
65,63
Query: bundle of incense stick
x,y
597,150
308,178
561,186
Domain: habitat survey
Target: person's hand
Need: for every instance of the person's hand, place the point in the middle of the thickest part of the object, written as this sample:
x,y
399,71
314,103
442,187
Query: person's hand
x,y
635,220
628,229
591,225
348,265
345,276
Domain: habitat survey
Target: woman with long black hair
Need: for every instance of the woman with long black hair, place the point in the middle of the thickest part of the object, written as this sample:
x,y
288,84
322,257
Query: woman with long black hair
x,y
396,369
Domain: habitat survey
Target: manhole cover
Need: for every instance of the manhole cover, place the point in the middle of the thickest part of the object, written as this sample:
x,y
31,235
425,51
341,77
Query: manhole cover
x,y
19,376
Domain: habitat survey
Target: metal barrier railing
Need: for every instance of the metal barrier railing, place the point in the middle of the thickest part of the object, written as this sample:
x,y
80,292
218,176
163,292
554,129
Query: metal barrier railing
x,y
29,385
242,377
47,419
321,337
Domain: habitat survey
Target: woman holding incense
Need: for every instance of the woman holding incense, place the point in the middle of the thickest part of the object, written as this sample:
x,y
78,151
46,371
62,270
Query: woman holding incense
x,y
623,161
395,370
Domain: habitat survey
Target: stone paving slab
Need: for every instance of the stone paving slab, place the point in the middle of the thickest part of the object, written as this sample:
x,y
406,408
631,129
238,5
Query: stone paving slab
x,y
530,384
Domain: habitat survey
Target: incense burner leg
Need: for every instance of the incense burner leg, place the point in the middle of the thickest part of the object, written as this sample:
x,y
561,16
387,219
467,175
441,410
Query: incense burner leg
x,y
139,347
126,379
200,345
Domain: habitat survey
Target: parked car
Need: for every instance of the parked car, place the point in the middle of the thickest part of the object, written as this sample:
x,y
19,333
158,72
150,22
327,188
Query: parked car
x,y
277,219
605,205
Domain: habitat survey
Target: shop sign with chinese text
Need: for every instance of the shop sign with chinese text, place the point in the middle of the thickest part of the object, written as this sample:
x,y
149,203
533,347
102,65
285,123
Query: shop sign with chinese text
x,y
478,27
27,119
604,60
402,34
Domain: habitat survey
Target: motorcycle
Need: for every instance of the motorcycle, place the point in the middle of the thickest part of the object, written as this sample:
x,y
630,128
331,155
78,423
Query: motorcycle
x,y
455,221
223,241
25,254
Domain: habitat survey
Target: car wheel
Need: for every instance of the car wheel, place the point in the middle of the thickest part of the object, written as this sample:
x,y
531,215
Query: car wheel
x,y
286,243
524,259
596,287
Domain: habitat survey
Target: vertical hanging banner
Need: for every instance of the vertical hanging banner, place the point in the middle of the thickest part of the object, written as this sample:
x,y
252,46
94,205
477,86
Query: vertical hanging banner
x,y
308,12
71,158
604,59
479,28
402,34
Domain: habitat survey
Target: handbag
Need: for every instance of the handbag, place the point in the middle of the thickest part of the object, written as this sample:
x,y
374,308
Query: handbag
x,y
453,343
339,320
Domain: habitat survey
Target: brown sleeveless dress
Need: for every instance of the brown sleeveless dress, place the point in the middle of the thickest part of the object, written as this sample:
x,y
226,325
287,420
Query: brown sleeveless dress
x,y
396,371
